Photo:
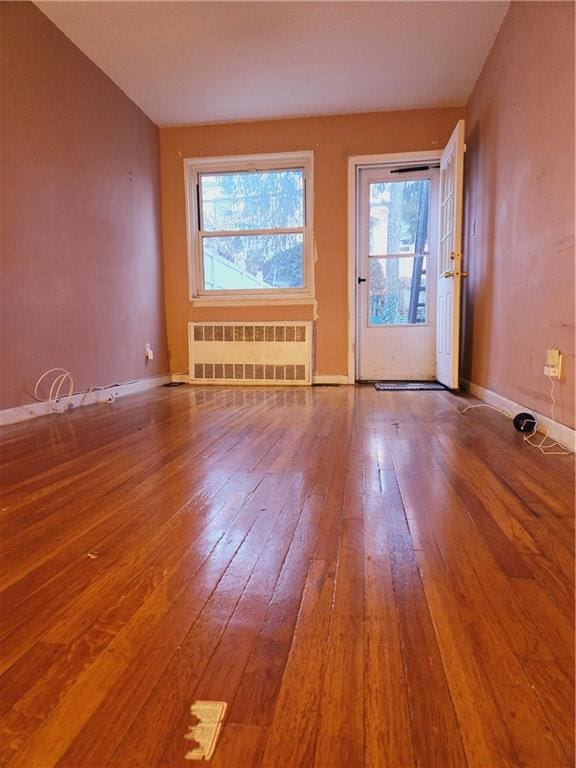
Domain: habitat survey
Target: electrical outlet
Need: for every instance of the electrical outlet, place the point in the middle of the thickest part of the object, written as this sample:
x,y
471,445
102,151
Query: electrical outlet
x,y
553,367
149,352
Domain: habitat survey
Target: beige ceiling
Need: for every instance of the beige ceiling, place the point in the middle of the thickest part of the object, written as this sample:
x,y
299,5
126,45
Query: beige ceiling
x,y
196,62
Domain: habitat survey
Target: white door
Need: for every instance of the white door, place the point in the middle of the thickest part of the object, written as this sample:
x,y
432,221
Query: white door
x,y
397,215
450,259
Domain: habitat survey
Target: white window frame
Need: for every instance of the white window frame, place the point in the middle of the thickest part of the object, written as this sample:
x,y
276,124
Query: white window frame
x,y
193,167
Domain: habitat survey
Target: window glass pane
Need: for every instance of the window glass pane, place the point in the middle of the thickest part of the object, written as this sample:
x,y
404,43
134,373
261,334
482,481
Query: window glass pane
x,y
397,291
253,261
252,200
399,217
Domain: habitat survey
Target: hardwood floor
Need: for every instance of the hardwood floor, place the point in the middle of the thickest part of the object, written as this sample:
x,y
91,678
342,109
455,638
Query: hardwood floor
x,y
368,579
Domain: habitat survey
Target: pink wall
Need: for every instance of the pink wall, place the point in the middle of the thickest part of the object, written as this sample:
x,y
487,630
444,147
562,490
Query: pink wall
x,y
519,244
82,284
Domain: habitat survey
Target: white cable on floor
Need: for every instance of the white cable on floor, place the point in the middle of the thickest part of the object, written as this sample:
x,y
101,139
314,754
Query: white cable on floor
x,y
485,405
60,403
542,447
55,388
546,449
63,375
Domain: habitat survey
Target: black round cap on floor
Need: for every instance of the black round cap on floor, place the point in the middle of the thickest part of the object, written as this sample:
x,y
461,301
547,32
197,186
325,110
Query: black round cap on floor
x,y
524,422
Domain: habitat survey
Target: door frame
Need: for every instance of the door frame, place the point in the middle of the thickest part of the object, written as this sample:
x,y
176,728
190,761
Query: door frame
x,y
355,164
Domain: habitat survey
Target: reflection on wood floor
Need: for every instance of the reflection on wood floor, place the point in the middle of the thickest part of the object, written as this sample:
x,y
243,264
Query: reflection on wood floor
x,y
366,578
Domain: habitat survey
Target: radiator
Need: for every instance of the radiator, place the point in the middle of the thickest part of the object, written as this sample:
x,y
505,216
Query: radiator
x,y
250,353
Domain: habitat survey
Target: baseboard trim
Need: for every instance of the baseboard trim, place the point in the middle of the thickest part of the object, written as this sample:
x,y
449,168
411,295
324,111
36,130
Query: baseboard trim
x,y
559,432
180,378
107,394
329,379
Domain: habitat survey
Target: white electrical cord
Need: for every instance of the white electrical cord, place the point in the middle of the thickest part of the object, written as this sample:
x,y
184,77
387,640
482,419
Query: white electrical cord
x,y
59,403
54,395
541,445
485,405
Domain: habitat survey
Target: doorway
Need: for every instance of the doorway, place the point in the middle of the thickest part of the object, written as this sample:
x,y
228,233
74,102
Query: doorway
x,y
396,253
405,264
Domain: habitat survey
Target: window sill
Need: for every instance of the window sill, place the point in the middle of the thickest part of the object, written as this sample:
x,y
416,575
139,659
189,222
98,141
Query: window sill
x,y
252,301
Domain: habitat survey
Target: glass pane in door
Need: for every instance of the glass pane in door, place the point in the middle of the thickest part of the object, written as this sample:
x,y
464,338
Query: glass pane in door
x,y
399,217
397,291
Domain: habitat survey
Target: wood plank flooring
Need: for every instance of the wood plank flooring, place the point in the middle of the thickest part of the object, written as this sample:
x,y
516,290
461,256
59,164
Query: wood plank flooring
x,y
368,579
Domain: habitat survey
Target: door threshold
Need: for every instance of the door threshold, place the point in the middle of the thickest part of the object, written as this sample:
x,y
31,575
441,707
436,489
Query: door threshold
x,y
408,386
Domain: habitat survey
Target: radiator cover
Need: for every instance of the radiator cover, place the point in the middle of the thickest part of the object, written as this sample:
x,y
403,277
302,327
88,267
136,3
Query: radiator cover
x,y
250,353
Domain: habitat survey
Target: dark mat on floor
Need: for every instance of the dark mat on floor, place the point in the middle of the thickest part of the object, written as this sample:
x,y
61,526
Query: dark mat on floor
x,y
407,386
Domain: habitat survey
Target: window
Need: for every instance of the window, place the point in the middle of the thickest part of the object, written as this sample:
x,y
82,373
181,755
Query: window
x,y
397,251
250,229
